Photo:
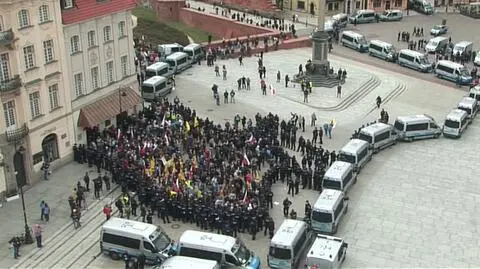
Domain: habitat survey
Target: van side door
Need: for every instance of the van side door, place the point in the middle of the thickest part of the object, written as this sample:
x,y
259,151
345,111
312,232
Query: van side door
x,y
149,251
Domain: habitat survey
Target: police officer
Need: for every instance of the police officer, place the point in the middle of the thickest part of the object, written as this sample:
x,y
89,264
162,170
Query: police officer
x,y
106,179
163,212
253,228
269,198
308,209
149,217
286,206
271,228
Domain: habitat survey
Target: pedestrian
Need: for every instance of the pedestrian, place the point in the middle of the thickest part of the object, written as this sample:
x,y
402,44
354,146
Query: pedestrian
x,y
240,60
37,232
15,246
339,91
141,261
107,210
279,77
224,72
379,101
232,96
217,70
86,179
225,97
313,119
286,206
46,213
42,205
287,79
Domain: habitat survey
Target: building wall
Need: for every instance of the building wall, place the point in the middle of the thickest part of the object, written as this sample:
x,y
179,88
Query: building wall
x,y
97,56
36,81
331,6
381,5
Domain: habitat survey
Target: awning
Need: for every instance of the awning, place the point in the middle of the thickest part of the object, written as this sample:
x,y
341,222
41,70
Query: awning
x,y
108,107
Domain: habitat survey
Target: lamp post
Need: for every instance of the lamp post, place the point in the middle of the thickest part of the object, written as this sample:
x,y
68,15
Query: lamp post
x,y
21,181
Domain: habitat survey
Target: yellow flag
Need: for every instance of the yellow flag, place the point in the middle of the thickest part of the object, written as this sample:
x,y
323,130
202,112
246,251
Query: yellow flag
x,y
187,127
195,122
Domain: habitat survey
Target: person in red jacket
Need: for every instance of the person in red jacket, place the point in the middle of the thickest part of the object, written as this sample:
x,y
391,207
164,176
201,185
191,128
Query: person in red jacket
x,y
107,210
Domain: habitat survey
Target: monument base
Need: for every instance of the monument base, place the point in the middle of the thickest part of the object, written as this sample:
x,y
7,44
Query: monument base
x,y
319,71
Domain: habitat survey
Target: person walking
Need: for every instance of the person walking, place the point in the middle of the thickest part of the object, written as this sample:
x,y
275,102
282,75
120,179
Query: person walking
x,y
37,232
42,205
86,179
107,210
339,91
379,101
46,213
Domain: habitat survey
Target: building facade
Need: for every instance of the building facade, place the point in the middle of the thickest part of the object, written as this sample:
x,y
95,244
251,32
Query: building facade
x,y
100,62
381,5
345,6
332,7
36,107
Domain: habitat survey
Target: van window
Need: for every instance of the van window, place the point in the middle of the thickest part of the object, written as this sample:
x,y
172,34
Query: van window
x,y
407,57
230,259
200,254
160,86
365,137
150,73
280,253
181,61
399,125
375,47
347,37
148,246
347,178
347,158
162,71
147,89
452,124
445,68
175,49
433,125
121,241
472,95
382,136
340,252
338,210
464,121
331,184
299,244
189,52
322,217
362,154
369,15
417,127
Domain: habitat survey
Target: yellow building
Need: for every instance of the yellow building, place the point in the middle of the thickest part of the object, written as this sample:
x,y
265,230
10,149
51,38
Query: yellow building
x,y
332,6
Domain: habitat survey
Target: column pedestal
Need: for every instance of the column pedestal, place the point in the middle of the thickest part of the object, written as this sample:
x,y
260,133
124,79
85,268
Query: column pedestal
x,y
320,53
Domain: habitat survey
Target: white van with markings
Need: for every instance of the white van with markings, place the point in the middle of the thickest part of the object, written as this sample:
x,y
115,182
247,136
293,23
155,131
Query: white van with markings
x,y
470,106
414,60
391,15
195,52
328,210
475,94
341,19
455,123
156,87
379,135
453,71
177,262
165,50
119,236
437,44
158,69
362,16
178,62
356,152
354,40
326,252
339,176
226,250
289,244
463,47
416,127
382,50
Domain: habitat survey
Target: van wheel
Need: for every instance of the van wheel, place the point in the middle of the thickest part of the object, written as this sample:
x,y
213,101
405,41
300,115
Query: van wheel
x,y
436,136
114,256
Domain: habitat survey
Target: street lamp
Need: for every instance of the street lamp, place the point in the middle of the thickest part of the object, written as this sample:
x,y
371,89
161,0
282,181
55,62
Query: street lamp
x,y
21,181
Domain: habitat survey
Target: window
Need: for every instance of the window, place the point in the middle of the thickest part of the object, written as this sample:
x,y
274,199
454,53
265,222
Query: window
x,y
107,33
230,259
95,78
121,28
43,14
357,5
280,253
324,217
121,241
109,72
382,136
23,19
417,127
53,96
75,44
347,179
362,154
330,6
68,3
331,184
9,113
29,57
148,246
1,23
5,67
398,3
34,104
78,84
48,50
297,249
300,5
123,62
91,38
377,3
200,254
365,137
338,210
399,125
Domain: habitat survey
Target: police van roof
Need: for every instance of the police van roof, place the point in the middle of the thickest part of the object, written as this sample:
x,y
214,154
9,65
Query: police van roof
x,y
217,241
379,42
411,52
325,247
177,55
157,65
177,262
337,169
172,45
286,234
327,199
456,115
475,89
351,33
375,128
129,226
437,39
467,101
414,118
463,43
354,145
154,80
449,63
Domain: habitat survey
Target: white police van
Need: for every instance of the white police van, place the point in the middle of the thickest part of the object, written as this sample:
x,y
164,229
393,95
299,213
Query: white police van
x,y
452,71
379,135
119,236
391,15
356,152
156,87
326,252
328,210
339,176
469,105
414,60
437,44
455,123
158,69
416,127
463,47
362,16
289,244
165,50
475,94
178,62
226,250
341,19
354,40
382,50
177,262
195,52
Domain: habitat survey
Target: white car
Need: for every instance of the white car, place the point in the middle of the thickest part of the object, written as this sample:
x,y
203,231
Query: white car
x,y
476,61
438,30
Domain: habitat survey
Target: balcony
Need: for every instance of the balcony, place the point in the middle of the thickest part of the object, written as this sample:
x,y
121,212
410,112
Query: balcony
x,y
10,86
17,134
6,37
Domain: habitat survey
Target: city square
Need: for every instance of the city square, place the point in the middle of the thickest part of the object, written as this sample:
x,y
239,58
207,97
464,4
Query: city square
x,y
414,205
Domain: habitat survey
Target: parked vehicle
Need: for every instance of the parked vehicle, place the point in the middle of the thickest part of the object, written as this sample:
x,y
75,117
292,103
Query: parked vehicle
x,y
476,61
437,44
356,152
362,16
382,50
455,123
165,50
453,71
156,87
416,127
341,20
326,252
421,6
178,62
438,30
328,210
470,106
391,15
414,60
195,52
379,136
354,40
463,47
187,262
158,69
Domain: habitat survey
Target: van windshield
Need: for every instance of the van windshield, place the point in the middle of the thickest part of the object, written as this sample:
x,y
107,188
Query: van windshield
x,y
365,137
241,252
399,125
464,72
150,73
385,13
468,110
362,40
331,184
433,43
322,217
189,52
347,158
147,88
280,253
162,241
459,48
452,124
172,63
423,60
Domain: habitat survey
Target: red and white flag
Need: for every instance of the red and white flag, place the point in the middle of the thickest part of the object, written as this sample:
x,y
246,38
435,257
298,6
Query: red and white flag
x,y
119,134
245,196
245,160
251,140
166,140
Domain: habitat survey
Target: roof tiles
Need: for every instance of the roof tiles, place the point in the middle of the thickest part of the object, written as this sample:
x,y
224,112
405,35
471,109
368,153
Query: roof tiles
x,y
84,10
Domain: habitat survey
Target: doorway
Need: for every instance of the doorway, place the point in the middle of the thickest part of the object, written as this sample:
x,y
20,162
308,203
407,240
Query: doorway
x,y
50,147
387,5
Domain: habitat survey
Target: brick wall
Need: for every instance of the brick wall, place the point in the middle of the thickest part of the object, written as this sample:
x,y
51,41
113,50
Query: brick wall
x,y
168,9
218,26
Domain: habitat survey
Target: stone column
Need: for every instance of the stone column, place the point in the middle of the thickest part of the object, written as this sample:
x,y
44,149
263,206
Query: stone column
x,y
320,42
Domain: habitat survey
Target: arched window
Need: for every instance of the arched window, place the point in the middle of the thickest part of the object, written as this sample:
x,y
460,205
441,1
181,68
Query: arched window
x,y
23,19
92,39
107,33
1,24
75,44
43,14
